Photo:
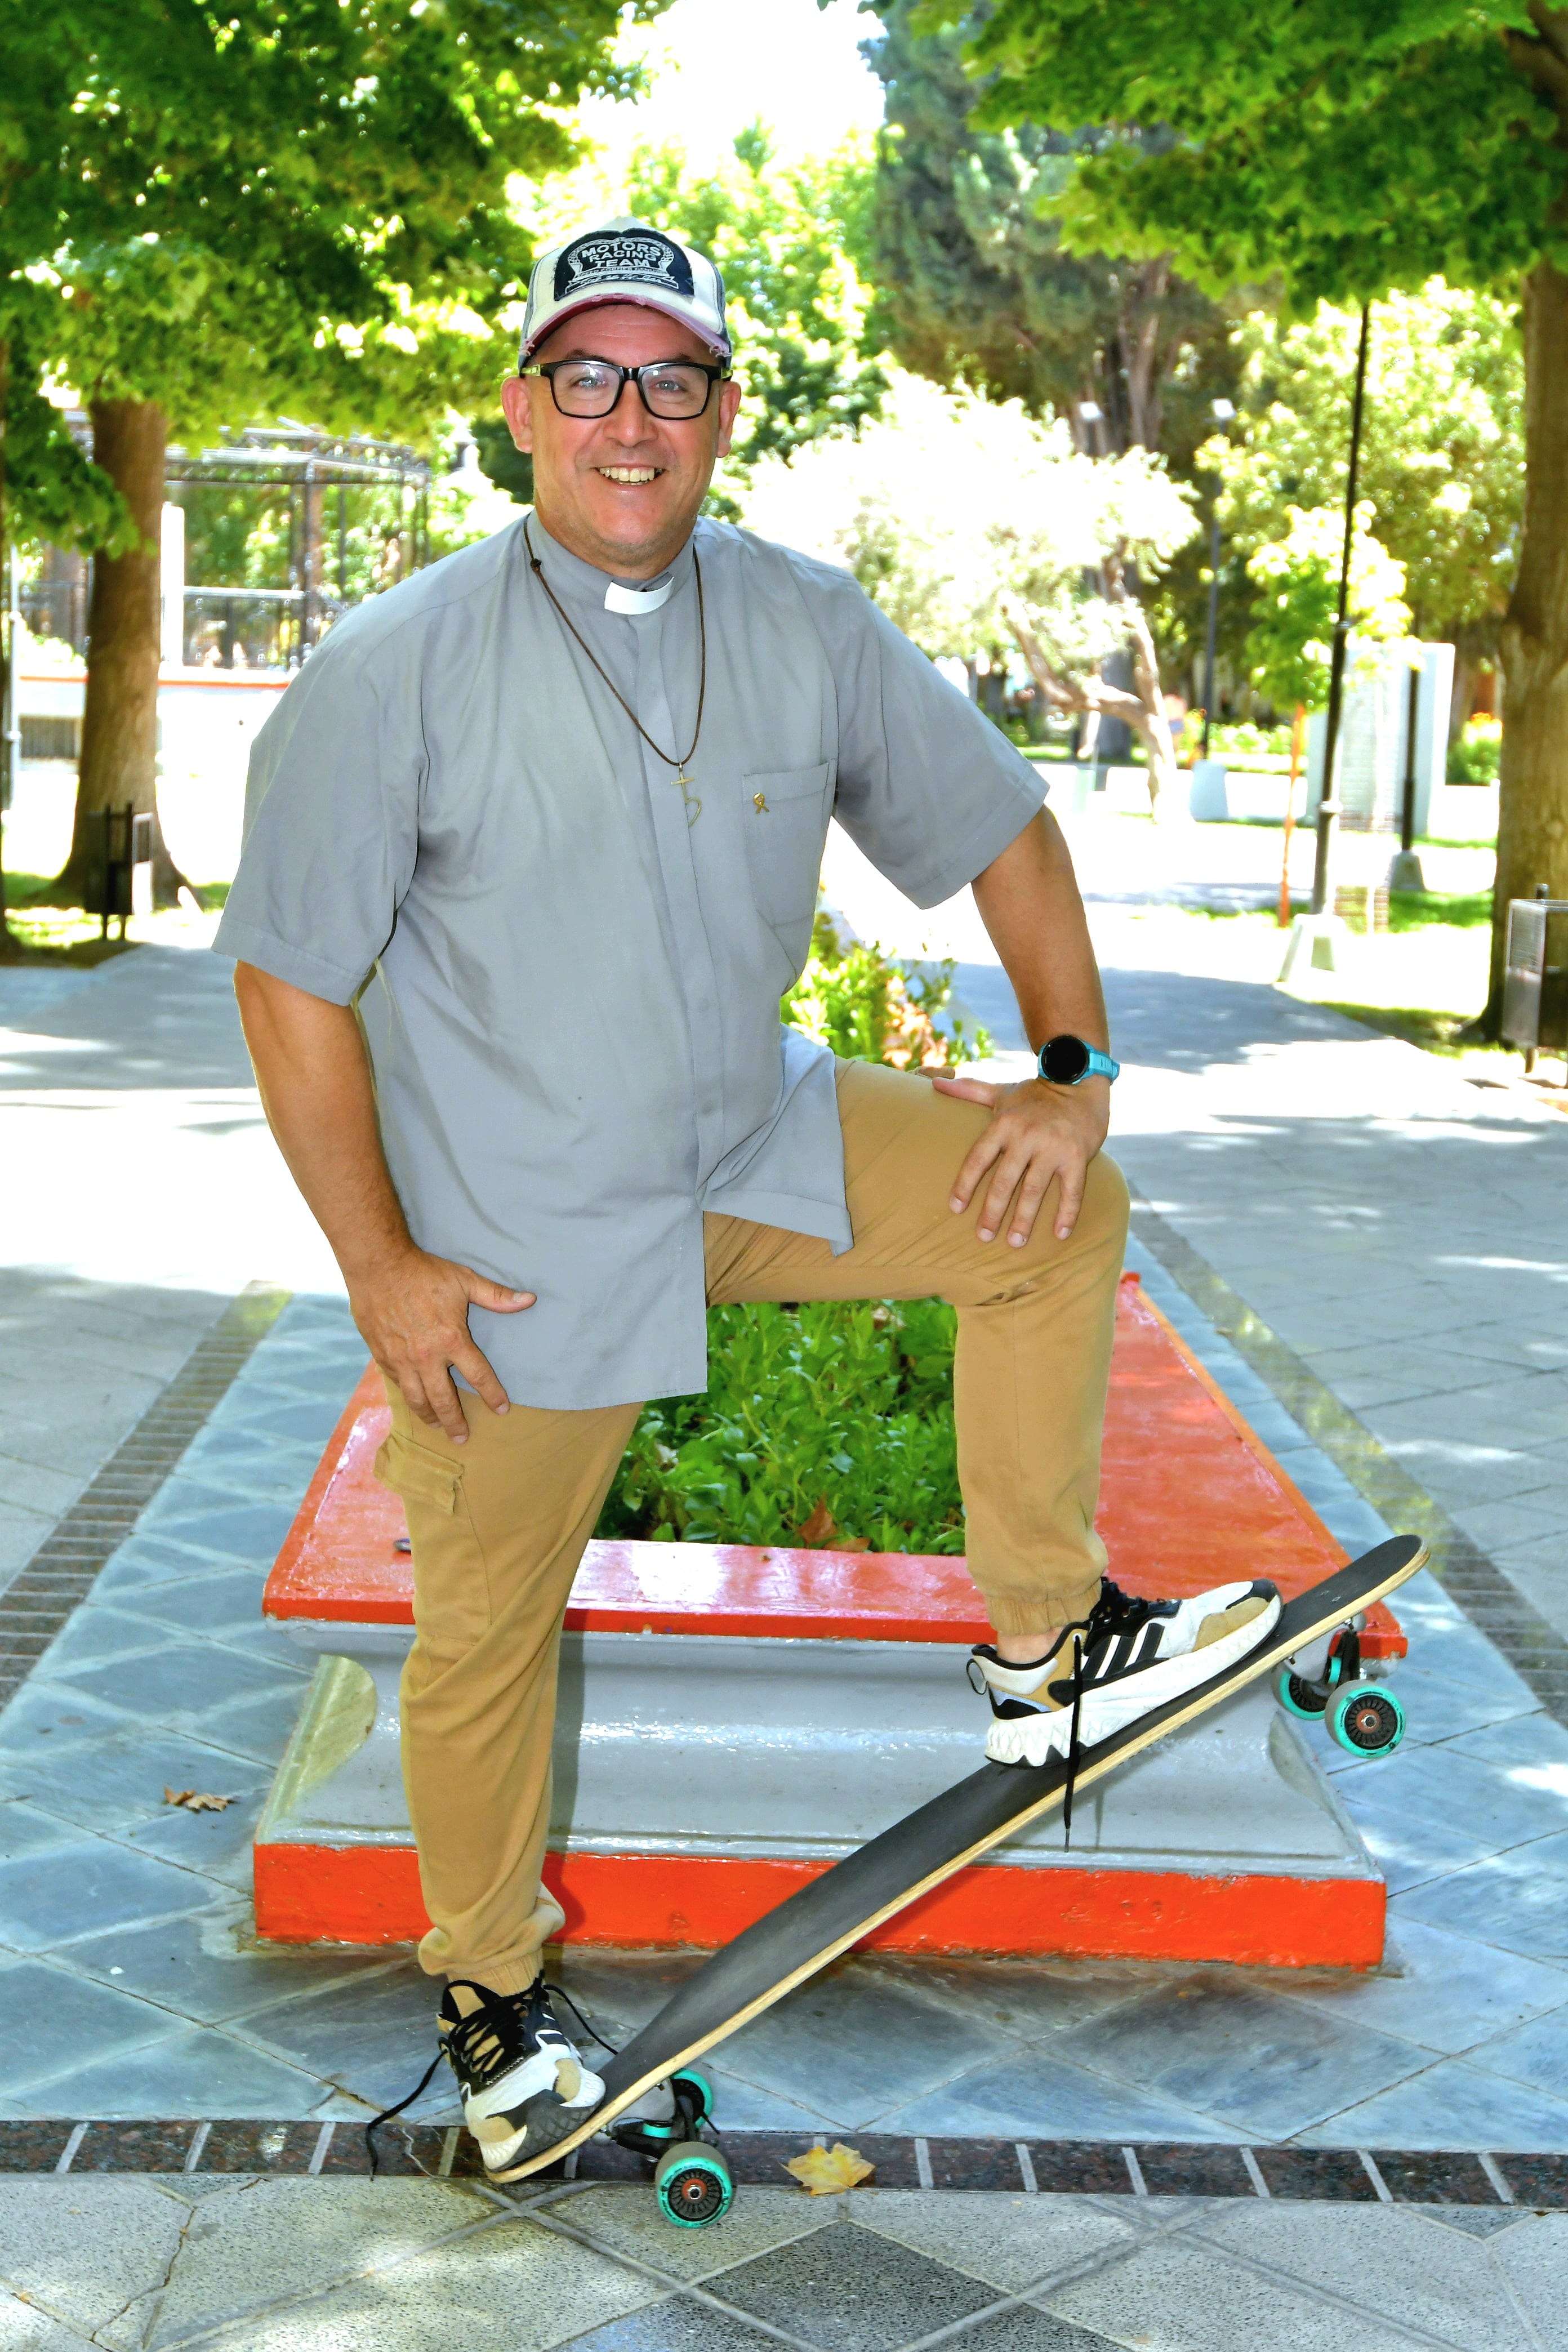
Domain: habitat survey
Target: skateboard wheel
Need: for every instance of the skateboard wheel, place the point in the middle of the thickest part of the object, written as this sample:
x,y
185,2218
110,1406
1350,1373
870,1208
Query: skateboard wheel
x,y
697,2089
1366,1720
1299,1697
693,2184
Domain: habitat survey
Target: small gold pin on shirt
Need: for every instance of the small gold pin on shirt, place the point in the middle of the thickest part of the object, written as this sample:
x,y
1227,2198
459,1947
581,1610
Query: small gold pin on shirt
x,y
760,803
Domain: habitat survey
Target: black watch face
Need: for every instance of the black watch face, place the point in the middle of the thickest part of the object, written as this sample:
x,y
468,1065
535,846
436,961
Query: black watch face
x,y
1064,1060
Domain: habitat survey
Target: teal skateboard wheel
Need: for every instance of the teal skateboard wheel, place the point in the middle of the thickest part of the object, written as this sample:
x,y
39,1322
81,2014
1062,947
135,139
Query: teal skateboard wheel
x,y
1365,1721
1297,1698
693,2184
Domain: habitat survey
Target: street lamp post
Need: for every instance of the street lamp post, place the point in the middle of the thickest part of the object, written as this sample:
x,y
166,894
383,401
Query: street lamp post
x,y
1328,803
1223,410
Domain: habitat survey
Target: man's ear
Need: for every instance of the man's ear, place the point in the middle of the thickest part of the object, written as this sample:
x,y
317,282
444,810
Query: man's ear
x,y
517,406
729,402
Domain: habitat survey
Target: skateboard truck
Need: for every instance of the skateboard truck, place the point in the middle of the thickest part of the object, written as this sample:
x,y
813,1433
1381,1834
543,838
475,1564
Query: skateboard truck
x,y
691,2175
1329,1680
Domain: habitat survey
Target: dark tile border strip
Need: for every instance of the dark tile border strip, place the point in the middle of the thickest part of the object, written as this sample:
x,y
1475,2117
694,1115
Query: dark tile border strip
x,y
1069,2168
1535,1650
40,1597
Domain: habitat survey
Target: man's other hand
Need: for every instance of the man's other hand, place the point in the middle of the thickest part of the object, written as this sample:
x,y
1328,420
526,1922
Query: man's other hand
x,y
1038,1132
413,1314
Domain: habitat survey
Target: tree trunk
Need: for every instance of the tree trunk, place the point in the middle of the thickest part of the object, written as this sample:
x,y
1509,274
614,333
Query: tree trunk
x,y
10,949
1144,712
120,716
1532,829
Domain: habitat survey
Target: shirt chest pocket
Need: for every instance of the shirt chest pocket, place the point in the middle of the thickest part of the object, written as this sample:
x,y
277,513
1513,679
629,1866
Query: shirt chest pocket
x,y
785,814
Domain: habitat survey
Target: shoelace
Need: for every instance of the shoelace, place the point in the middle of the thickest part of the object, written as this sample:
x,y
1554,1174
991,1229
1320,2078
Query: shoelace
x,y
1072,1743
467,2037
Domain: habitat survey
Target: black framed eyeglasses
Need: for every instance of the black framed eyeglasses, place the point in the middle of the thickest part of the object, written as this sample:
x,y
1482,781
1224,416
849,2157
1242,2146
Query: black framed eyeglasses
x,y
668,388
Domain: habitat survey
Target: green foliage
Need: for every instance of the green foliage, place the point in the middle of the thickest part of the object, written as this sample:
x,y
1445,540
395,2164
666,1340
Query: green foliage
x,y
1290,644
1348,150
849,1405
784,236
867,1007
1442,450
1476,756
974,281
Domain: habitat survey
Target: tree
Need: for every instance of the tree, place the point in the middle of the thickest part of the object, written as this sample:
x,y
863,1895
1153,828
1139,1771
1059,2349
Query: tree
x,y
1290,643
975,284
1352,153
973,524
1442,458
299,204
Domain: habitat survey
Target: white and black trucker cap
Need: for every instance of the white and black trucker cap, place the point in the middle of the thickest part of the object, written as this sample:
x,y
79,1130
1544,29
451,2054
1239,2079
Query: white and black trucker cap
x,y
626,260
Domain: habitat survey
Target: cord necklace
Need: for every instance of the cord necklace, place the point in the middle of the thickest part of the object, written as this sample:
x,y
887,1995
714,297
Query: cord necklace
x,y
693,806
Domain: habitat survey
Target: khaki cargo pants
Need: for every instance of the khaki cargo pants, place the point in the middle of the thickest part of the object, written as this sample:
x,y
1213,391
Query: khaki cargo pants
x,y
500,1523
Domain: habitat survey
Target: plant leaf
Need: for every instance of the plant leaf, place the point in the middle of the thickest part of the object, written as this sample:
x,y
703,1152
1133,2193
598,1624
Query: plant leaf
x,y
829,2171
818,1531
195,1801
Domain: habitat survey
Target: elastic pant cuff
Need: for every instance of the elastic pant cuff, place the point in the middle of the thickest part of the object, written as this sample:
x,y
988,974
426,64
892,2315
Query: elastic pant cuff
x,y
1039,1615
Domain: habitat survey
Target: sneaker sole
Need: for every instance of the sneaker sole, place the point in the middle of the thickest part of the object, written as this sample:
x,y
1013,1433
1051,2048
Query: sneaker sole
x,y
546,2120
1034,1738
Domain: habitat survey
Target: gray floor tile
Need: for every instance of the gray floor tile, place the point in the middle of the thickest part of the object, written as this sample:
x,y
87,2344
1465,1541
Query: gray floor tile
x,y
1530,1747
114,1784
373,2037
283,2238
1254,2060
1180,2298
25,2328
741,2105
207,1604
1536,2052
1454,2104
51,2021
511,2288
145,1560
185,1680
46,1899
1024,2328
197,1966
628,2222
194,2071
24,1831
44,1718
847,2290
680,2325
97,1633
1039,2093
90,2251
1442,1785
1397,2263
853,2050
1518,1900
1011,2243
1024,1999
1448,1993
1534,2261
1409,1852
258,1727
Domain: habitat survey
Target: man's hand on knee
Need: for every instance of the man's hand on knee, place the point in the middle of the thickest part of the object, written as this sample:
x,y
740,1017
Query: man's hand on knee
x,y
1038,1134
413,1314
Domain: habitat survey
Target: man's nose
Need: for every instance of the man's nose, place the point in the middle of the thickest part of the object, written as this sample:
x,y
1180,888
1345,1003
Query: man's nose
x,y
629,420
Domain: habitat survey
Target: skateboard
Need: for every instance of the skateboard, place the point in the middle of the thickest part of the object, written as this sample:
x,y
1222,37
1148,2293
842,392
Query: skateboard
x,y
1313,1654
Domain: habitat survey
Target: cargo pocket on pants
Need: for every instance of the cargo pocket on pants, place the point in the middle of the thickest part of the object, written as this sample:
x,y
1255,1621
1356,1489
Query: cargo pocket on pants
x,y
451,1583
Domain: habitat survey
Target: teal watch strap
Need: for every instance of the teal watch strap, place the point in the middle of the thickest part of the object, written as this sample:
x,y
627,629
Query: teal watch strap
x,y
1101,1066
1067,1061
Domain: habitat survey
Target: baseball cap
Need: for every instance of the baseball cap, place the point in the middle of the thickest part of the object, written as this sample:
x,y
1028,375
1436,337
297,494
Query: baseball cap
x,y
625,260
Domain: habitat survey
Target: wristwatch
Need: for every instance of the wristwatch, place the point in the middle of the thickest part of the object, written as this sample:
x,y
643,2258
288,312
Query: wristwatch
x,y
1068,1061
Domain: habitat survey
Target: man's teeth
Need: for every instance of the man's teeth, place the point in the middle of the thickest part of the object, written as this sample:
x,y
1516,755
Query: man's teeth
x,y
629,473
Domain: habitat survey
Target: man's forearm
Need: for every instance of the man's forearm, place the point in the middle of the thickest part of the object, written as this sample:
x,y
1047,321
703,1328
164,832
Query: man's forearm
x,y
1028,900
316,1089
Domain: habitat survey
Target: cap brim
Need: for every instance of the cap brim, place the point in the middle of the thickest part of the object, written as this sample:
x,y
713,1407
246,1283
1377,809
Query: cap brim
x,y
720,346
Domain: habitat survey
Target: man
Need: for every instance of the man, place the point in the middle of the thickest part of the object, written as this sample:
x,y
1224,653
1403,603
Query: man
x,y
531,853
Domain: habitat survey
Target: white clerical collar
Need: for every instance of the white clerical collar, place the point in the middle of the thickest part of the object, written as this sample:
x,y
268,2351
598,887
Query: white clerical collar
x,y
638,600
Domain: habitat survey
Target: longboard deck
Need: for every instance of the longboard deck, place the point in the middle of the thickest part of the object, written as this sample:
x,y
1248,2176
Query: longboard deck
x,y
823,1919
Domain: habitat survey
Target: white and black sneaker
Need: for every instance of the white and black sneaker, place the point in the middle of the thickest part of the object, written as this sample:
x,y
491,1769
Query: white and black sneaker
x,y
523,2085
1125,1658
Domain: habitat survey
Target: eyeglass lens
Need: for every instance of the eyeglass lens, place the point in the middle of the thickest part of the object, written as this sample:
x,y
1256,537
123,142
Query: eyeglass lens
x,y
592,387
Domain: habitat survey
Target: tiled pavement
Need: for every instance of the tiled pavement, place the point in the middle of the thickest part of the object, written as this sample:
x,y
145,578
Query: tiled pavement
x,y
129,1985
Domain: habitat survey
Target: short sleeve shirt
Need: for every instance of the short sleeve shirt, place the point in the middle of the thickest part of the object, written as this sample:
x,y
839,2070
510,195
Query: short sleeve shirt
x,y
567,967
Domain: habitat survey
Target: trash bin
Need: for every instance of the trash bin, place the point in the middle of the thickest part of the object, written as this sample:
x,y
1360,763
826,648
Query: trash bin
x,y
1535,977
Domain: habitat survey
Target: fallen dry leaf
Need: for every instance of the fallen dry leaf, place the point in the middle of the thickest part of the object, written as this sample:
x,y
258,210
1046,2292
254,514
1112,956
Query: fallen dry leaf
x,y
819,1530
195,1801
827,2171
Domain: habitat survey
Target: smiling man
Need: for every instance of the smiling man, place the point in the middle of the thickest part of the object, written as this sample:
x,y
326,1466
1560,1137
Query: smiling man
x,y
531,853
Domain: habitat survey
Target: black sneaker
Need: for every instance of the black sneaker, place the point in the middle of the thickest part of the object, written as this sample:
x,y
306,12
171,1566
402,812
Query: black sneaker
x,y
523,2085
1125,1658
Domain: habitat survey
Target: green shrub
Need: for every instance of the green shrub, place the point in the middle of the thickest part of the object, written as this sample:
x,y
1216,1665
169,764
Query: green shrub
x,y
833,1418
1474,759
868,1007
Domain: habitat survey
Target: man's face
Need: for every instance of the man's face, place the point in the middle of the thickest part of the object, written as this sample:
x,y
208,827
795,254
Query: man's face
x,y
621,492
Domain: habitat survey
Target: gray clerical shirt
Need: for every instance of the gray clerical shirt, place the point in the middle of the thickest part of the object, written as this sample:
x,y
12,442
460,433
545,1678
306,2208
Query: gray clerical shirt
x,y
569,972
